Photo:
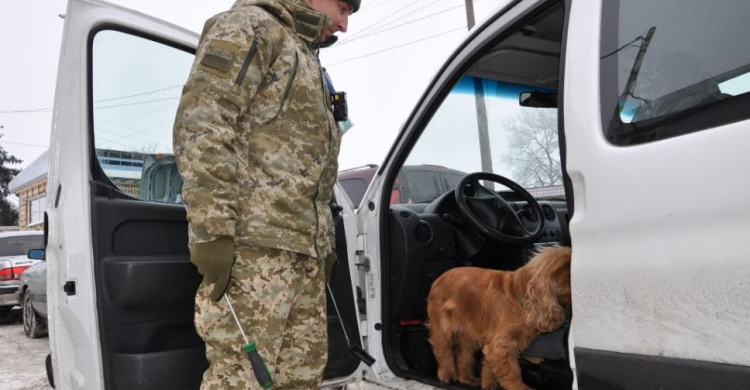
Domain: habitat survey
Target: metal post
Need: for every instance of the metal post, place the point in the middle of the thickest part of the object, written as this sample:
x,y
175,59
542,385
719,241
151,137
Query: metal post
x,y
483,126
470,13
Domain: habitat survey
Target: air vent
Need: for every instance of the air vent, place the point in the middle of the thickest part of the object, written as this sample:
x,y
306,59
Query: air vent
x,y
405,214
549,213
423,233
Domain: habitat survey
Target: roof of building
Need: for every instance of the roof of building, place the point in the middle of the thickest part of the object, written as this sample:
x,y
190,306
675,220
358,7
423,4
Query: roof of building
x,y
32,174
21,233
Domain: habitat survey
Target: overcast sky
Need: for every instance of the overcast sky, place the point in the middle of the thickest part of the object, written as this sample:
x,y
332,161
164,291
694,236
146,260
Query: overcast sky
x,y
384,62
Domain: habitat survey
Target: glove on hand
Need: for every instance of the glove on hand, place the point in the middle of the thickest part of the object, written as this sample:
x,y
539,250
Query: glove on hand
x,y
330,264
214,260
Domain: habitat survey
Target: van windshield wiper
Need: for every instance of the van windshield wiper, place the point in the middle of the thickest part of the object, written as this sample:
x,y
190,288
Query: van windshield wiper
x,y
636,69
628,91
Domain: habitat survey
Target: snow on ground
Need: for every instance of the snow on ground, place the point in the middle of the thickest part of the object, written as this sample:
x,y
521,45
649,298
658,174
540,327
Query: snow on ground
x,y
21,358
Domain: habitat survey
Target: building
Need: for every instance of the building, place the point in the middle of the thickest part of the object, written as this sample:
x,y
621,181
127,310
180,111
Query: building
x,y
30,185
31,188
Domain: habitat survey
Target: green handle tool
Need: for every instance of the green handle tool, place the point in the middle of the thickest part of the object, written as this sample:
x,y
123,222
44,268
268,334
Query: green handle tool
x,y
259,367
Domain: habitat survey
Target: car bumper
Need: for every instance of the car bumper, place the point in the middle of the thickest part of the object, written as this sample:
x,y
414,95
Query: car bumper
x,y
8,296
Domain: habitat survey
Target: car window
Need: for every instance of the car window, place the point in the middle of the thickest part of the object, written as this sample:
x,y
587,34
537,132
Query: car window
x,y
136,87
420,186
450,179
661,62
20,245
355,189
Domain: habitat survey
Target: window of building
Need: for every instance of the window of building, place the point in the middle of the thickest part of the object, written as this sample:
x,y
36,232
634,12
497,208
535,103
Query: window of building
x,y
36,210
673,67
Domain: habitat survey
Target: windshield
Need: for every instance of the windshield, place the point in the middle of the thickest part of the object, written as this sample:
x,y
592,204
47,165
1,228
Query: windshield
x,y
20,245
518,142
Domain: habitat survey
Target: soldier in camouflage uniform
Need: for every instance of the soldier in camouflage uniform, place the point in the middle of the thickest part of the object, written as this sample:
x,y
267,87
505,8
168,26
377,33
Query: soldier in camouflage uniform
x,y
256,144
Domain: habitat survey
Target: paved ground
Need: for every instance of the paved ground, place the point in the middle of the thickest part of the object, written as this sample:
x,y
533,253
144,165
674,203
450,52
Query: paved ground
x,y
21,358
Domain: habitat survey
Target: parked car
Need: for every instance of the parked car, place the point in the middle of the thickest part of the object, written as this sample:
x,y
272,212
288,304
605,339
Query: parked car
x,y
32,296
414,183
637,108
14,260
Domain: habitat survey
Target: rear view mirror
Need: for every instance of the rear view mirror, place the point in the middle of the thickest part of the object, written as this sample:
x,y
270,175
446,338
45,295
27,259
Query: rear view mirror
x,y
538,99
36,254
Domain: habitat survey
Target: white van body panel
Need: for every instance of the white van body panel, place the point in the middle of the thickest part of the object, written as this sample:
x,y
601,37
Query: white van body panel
x,y
350,226
368,266
647,278
74,335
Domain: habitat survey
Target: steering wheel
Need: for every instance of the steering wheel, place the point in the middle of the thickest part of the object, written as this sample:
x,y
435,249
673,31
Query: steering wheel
x,y
491,215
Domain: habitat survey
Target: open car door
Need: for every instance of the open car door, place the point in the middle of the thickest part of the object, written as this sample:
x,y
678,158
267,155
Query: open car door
x,y
626,122
120,284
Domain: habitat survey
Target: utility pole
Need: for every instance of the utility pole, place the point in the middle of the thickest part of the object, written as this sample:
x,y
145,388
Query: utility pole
x,y
483,126
470,13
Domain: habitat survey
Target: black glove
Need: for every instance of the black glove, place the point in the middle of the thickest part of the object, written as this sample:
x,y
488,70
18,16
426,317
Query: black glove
x,y
214,260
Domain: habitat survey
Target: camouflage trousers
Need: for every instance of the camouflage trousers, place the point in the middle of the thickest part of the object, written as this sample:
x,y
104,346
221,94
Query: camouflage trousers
x,y
279,297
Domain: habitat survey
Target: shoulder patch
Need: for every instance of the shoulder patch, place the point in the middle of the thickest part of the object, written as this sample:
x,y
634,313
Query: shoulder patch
x,y
219,57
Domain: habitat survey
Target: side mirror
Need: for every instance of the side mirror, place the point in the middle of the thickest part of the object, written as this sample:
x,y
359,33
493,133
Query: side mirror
x,y
37,254
538,99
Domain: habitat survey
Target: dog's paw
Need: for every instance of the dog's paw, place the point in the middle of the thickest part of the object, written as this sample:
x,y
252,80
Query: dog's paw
x,y
446,376
490,383
469,380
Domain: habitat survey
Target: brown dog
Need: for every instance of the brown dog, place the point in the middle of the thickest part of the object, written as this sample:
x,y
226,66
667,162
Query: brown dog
x,y
501,312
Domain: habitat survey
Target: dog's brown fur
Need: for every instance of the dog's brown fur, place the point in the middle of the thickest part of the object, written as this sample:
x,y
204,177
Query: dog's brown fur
x,y
501,312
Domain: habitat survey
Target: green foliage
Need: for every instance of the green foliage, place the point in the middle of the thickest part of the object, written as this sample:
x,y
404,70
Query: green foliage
x,y
8,213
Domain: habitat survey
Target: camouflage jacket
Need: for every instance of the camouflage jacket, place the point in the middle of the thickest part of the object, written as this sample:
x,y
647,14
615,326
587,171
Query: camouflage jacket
x,y
255,139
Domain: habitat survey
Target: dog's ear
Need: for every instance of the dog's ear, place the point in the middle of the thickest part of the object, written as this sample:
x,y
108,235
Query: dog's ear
x,y
542,311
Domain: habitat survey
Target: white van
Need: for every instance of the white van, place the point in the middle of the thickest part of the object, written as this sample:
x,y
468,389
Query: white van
x,y
626,121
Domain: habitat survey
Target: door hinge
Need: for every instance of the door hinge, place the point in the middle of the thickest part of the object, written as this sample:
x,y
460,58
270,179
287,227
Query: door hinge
x,y
70,288
365,264
362,260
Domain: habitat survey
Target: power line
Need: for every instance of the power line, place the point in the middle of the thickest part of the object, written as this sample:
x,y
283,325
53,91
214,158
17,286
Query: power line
x,y
381,20
138,103
411,13
32,111
99,137
397,26
139,94
396,47
382,30
372,5
145,114
49,109
133,132
24,144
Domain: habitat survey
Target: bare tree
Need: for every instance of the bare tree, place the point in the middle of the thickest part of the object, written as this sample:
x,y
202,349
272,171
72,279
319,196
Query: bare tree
x,y
535,156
